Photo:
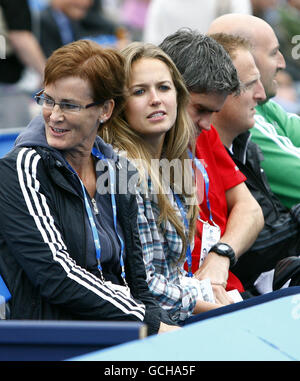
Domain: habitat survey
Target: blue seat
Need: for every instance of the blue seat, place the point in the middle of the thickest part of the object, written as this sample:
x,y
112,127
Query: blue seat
x,y
7,139
29,340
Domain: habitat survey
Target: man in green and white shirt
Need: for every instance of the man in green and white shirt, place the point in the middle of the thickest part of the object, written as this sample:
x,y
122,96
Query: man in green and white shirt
x,y
276,132
278,135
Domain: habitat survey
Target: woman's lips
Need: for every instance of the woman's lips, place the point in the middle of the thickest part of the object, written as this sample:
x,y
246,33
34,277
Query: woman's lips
x,y
157,115
58,131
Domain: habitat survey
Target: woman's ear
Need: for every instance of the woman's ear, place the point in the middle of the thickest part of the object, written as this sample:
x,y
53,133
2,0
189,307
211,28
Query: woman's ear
x,y
107,110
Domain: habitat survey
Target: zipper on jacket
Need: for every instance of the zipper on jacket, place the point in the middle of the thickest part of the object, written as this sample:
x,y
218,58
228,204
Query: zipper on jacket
x,y
96,210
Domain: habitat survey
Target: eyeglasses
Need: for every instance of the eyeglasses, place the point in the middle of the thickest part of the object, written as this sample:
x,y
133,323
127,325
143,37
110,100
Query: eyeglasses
x,y
64,106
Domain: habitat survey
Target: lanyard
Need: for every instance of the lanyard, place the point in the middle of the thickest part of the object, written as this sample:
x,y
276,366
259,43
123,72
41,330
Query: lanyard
x,y
201,168
4,292
97,243
111,172
188,250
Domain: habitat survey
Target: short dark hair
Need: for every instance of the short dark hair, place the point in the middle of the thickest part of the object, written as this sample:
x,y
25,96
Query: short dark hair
x,y
102,67
204,64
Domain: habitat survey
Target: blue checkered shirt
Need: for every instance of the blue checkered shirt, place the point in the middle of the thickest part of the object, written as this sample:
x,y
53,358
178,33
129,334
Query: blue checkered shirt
x,y
162,249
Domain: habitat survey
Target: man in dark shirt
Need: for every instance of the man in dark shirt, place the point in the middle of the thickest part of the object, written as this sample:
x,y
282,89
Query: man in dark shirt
x,y
279,239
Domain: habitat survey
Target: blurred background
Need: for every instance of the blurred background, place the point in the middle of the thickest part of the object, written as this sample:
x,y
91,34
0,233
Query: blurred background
x,y
30,36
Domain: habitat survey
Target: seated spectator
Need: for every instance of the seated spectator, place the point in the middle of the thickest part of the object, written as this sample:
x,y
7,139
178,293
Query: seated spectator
x,y
65,21
154,118
60,23
70,250
280,236
228,209
275,131
19,51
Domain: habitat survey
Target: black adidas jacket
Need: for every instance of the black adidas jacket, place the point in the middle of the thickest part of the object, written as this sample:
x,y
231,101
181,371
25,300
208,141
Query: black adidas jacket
x,y
43,241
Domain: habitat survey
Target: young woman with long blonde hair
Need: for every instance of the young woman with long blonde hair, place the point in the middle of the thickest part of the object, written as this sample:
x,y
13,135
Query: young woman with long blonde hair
x,y
155,132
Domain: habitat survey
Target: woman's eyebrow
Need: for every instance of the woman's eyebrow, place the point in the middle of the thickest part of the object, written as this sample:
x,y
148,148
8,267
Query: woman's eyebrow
x,y
63,99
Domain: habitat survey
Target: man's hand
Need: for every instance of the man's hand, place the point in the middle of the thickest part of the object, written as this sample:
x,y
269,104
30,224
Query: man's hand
x,y
215,267
221,296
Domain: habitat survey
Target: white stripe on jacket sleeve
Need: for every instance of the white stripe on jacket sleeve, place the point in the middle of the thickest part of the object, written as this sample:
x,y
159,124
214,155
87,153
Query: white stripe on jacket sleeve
x,y
38,208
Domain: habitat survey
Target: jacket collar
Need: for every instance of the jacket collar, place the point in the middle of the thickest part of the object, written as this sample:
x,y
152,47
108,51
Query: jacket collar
x,y
240,145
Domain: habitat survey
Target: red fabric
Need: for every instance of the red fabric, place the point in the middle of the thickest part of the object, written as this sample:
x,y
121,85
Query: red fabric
x,y
232,282
223,174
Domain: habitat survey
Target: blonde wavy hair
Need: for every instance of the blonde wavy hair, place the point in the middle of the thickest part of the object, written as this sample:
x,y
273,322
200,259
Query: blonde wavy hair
x,y
178,140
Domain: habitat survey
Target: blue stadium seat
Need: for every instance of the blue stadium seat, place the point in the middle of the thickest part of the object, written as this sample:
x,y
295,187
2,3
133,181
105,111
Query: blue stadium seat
x,y
7,139
29,340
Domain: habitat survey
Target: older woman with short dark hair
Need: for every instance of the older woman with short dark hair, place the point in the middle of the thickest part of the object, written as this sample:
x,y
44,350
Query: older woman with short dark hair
x,y
68,249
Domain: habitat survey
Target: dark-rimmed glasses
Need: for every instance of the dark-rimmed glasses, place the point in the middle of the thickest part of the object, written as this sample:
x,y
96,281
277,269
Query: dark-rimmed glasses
x,y
64,106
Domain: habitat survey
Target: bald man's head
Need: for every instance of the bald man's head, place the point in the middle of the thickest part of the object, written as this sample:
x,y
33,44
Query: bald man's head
x,y
246,26
265,45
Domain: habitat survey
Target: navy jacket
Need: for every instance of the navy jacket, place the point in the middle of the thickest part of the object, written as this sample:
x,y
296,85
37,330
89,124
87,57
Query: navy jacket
x,y
280,236
43,240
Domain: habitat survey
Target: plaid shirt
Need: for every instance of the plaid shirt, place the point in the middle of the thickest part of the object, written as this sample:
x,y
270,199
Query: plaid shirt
x,y
162,249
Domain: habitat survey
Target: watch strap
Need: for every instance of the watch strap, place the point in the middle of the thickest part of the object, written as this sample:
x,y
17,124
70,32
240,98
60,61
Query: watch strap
x,y
225,250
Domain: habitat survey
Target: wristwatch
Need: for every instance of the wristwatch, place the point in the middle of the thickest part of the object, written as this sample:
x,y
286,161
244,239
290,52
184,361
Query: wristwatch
x,y
225,250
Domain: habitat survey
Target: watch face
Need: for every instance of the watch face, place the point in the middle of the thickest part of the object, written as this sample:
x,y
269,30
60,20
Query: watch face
x,y
222,247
